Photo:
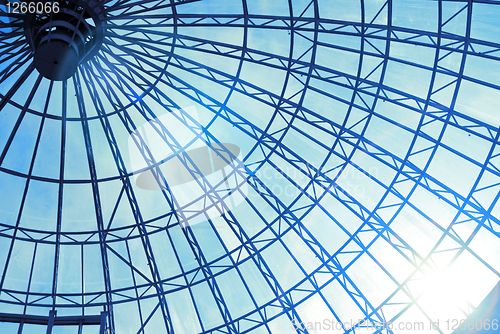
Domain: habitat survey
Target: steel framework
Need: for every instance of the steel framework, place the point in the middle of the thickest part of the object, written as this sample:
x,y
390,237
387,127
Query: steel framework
x,y
352,195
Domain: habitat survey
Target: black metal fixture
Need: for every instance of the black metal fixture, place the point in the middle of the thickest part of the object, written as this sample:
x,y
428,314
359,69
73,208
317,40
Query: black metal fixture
x,y
64,39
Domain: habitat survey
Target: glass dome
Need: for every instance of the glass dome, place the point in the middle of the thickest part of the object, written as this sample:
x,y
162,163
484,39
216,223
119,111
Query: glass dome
x,y
249,166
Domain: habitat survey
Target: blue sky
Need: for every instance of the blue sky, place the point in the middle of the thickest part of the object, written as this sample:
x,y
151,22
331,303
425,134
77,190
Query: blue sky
x,y
416,131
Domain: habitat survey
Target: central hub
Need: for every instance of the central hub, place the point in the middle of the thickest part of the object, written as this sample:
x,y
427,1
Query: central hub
x,y
64,35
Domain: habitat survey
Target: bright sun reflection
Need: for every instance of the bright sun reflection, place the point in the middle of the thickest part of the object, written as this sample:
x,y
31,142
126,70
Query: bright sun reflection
x,y
447,294
443,291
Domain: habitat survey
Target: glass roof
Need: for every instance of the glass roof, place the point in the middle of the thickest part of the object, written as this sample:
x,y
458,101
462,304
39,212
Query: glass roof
x,y
255,167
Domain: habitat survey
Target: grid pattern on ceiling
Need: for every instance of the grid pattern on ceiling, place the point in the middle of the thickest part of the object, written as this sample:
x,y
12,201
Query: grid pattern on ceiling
x,y
370,137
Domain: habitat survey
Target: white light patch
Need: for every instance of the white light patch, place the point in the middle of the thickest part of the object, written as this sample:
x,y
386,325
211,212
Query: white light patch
x,y
205,181
448,292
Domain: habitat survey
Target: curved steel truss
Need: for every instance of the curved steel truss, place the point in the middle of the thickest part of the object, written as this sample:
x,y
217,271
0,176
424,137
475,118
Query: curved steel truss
x,y
369,132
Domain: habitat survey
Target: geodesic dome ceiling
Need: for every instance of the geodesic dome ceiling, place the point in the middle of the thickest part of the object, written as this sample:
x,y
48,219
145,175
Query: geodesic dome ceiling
x,y
250,166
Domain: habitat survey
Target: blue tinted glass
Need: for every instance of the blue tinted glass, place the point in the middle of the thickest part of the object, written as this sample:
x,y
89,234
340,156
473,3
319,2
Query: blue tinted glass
x,y
301,166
